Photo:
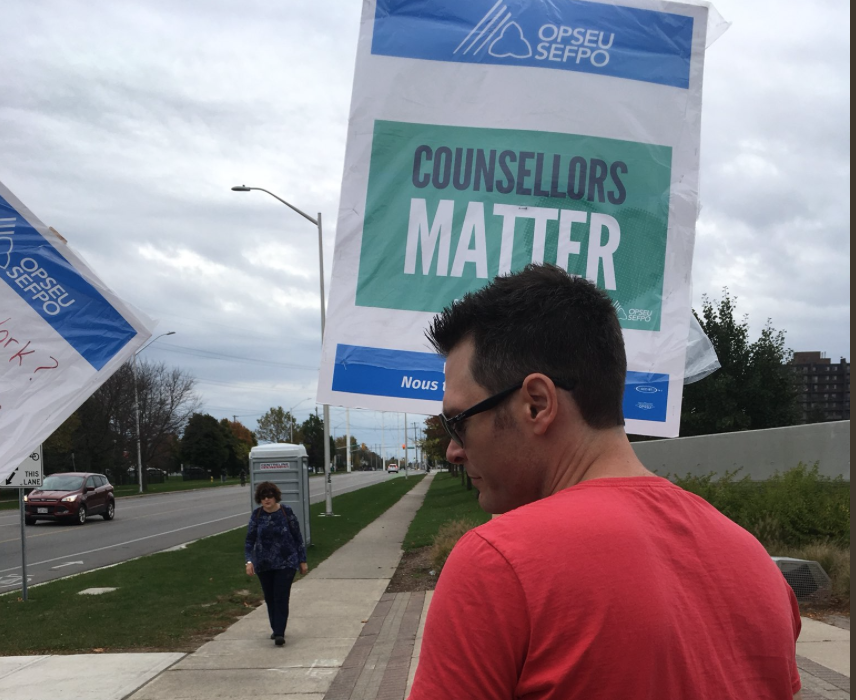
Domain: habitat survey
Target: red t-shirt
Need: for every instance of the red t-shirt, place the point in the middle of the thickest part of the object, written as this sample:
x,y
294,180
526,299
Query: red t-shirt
x,y
626,588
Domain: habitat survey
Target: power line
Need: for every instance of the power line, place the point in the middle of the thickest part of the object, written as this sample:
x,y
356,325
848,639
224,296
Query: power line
x,y
219,355
245,387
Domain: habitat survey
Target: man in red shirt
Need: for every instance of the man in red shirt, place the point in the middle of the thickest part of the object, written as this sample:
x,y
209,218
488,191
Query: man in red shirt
x,y
600,580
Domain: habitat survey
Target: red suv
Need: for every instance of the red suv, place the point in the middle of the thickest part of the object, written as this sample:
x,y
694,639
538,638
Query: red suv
x,y
70,496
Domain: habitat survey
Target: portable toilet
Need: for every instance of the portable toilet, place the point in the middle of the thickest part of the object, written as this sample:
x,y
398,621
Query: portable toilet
x,y
287,466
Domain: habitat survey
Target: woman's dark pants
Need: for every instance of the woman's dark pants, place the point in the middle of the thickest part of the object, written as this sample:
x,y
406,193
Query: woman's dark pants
x,y
276,585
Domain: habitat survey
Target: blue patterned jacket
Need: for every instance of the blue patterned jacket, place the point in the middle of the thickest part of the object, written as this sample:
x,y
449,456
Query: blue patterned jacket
x,y
274,540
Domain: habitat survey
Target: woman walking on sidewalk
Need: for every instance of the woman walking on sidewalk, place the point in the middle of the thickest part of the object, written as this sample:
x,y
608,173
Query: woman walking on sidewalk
x,y
274,552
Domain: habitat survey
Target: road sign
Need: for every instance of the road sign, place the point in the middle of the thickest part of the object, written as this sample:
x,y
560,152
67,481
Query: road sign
x,y
29,473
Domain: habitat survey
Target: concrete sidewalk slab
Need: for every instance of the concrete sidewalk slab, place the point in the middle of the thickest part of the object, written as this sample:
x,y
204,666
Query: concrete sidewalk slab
x,y
826,645
79,677
376,551
275,682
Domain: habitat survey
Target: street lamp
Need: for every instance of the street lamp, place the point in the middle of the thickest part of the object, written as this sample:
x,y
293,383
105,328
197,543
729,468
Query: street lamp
x,y
291,421
137,406
328,486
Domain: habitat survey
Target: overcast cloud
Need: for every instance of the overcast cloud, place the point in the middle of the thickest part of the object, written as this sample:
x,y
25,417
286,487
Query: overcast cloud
x,y
124,124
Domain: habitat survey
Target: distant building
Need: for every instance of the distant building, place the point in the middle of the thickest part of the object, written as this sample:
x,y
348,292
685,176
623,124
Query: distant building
x,y
824,388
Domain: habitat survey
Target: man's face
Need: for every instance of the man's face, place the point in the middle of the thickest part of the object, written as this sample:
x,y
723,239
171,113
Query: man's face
x,y
493,451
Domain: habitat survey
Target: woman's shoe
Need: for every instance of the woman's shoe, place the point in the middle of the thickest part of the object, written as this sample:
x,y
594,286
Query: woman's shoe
x,y
272,635
279,641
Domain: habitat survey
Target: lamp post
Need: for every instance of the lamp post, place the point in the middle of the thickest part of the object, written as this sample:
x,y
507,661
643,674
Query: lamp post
x,y
328,486
137,406
291,420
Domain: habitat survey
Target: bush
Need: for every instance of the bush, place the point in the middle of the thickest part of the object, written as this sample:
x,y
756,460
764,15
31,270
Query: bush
x,y
795,508
446,539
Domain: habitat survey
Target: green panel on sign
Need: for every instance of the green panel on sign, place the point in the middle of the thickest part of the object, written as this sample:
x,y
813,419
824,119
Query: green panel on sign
x,y
449,208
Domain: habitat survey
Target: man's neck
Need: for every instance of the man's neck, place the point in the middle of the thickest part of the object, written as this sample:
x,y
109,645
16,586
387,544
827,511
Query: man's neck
x,y
598,454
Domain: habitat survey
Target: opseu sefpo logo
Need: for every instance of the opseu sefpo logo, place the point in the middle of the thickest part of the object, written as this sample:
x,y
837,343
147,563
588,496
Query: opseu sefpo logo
x,y
500,36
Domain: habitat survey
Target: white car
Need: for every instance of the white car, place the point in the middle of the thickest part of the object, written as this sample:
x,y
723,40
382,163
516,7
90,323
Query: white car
x,y
392,469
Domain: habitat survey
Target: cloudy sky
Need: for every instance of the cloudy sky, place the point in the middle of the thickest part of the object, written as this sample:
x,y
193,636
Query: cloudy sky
x,y
124,124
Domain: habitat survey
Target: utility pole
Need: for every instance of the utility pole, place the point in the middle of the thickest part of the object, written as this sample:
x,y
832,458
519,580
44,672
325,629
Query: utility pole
x,y
348,439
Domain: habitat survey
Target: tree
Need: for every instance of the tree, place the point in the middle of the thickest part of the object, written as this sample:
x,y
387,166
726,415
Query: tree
x,y
167,401
204,444
753,389
105,435
58,450
239,441
313,440
101,435
435,442
278,425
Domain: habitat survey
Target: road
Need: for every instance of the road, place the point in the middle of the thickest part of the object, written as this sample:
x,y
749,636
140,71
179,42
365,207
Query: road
x,y
143,525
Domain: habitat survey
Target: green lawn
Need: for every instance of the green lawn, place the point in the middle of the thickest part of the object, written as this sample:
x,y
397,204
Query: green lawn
x,y
445,501
171,601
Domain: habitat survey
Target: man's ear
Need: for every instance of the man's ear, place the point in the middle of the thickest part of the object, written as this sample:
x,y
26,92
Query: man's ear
x,y
541,402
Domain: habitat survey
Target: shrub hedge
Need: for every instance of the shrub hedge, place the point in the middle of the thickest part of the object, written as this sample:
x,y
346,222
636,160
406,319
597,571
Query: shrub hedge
x,y
793,508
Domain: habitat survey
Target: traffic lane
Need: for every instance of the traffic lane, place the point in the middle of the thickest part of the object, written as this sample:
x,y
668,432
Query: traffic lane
x,y
343,483
143,525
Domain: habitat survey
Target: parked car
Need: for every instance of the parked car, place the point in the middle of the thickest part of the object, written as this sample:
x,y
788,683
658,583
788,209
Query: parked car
x,y
392,469
194,473
72,496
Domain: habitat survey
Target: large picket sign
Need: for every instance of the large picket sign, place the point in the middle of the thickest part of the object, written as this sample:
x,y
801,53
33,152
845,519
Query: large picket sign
x,y
62,332
483,137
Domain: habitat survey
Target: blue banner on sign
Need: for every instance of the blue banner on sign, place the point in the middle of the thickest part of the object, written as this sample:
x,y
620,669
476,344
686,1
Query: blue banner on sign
x,y
646,396
419,375
382,372
588,37
55,290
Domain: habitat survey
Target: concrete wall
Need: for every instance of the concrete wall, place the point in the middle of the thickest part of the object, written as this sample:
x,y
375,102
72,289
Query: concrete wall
x,y
759,452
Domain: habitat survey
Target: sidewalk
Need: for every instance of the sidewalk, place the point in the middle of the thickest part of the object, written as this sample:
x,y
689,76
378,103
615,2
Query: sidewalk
x,y
346,640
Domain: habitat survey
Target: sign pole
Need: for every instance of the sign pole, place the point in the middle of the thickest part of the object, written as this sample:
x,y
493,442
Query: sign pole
x,y
23,543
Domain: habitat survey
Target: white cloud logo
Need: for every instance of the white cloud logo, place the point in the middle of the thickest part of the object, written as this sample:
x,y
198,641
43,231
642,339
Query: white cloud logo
x,y
495,28
511,43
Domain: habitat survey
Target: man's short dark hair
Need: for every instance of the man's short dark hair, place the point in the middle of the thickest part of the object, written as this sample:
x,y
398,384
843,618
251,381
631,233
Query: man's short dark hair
x,y
542,319
268,488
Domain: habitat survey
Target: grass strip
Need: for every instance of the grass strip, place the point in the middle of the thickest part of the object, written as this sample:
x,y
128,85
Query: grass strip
x,y
171,601
446,500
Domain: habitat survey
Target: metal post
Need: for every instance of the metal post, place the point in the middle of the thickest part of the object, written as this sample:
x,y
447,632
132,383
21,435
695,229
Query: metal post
x,y
405,446
21,508
348,439
137,412
328,486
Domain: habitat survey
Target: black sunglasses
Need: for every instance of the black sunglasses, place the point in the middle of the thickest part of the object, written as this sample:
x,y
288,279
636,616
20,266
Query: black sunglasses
x,y
451,424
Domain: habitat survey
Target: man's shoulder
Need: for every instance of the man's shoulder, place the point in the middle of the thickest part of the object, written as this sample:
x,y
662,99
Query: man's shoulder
x,y
588,510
